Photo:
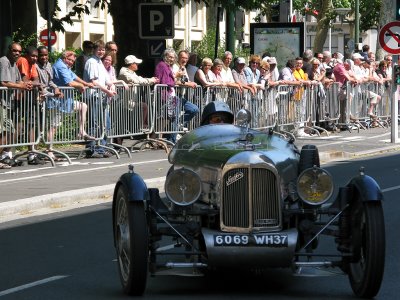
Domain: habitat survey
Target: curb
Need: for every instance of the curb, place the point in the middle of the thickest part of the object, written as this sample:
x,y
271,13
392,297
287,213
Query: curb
x,y
328,156
102,193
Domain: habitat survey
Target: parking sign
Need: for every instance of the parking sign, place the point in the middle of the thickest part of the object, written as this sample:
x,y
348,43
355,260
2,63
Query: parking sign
x,y
156,21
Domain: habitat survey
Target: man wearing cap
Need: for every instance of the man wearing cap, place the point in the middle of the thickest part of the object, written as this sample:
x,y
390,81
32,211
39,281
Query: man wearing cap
x,y
240,77
273,69
360,74
128,73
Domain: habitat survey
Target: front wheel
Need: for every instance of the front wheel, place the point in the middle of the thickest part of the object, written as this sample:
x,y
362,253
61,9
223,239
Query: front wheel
x,y
131,236
368,243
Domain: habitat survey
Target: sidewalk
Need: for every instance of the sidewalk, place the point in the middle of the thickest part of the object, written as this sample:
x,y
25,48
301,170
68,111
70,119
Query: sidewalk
x,y
337,146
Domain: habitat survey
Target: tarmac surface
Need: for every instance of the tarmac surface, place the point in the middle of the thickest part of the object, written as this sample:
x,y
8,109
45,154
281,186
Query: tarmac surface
x,y
30,190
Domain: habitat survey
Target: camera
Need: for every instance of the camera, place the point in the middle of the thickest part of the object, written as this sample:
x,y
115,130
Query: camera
x,y
184,79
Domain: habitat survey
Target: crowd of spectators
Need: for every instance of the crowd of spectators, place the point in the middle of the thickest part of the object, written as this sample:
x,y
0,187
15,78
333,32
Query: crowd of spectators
x,y
95,67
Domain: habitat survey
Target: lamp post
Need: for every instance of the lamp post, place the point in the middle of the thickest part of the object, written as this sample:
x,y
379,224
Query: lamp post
x,y
357,21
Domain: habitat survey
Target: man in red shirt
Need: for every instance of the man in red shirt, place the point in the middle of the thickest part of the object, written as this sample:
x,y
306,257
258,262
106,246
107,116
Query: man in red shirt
x,y
27,68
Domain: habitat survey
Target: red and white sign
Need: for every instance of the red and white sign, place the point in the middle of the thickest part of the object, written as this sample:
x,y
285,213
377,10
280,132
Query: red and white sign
x,y
389,37
44,36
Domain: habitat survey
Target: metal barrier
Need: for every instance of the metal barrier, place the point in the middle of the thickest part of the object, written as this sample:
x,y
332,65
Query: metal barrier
x,y
26,120
170,109
365,106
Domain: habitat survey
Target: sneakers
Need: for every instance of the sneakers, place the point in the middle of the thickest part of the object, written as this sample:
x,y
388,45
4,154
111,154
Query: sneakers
x,y
95,155
4,166
107,154
301,133
35,160
13,162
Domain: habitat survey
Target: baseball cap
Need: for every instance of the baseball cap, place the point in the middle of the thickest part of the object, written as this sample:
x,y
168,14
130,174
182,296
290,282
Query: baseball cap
x,y
272,60
241,60
357,56
132,59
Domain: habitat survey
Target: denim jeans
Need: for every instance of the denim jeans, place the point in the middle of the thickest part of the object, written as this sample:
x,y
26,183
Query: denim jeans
x,y
98,115
190,111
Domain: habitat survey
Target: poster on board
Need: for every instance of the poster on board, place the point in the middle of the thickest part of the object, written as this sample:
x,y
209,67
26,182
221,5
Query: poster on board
x,y
282,40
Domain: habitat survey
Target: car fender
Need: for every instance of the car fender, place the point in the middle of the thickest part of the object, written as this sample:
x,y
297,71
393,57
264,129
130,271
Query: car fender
x,y
136,187
366,187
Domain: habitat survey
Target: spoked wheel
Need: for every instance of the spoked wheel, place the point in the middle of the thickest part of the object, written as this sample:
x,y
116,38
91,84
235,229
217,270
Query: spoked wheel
x,y
309,157
368,241
131,236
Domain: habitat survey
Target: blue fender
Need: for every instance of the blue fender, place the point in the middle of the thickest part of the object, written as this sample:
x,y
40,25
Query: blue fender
x,y
366,187
135,186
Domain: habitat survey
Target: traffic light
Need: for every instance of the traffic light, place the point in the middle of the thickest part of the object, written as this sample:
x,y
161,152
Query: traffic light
x,y
397,9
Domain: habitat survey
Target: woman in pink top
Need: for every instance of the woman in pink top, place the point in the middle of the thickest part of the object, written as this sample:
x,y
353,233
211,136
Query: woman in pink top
x,y
109,60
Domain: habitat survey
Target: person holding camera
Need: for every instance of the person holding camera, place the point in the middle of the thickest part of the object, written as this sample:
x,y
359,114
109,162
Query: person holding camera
x,y
180,72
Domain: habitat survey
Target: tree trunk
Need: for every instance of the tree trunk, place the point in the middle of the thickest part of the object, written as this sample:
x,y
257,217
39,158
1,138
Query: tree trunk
x,y
126,34
387,14
323,23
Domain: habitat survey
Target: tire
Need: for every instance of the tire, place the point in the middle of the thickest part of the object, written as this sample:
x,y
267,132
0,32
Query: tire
x,y
131,237
368,242
309,157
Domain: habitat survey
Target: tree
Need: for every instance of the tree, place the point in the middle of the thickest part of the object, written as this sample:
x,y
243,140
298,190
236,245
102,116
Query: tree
x,y
323,11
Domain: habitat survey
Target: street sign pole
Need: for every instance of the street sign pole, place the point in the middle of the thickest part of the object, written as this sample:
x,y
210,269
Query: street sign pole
x,y
47,9
394,134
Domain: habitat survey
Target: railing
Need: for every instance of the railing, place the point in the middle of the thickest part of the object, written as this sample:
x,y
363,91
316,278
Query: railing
x,y
27,119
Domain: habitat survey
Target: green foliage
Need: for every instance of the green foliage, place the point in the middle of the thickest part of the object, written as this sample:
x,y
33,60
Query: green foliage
x,y
206,48
25,40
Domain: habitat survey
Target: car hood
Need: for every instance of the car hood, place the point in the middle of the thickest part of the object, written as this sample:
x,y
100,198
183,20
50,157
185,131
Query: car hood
x,y
214,145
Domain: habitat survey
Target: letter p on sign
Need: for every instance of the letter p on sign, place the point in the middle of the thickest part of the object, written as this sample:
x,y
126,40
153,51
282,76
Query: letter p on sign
x,y
156,21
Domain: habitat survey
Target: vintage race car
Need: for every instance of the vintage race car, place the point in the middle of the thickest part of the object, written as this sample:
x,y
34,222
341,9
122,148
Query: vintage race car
x,y
246,199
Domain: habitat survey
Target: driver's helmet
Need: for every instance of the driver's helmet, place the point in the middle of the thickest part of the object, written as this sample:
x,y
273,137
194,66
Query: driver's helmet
x,y
216,107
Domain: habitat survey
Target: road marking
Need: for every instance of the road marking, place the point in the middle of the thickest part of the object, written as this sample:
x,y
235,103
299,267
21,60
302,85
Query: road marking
x,y
352,138
391,189
32,284
82,171
342,141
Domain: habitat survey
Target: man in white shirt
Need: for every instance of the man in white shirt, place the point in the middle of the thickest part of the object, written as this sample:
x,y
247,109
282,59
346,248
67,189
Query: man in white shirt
x,y
96,73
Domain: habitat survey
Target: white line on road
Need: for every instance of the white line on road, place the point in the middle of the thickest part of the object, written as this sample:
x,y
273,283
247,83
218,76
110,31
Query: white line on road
x,y
81,171
341,141
32,284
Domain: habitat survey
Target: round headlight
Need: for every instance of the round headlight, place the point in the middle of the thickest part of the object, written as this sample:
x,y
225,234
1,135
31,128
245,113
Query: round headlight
x,y
315,186
183,187
243,117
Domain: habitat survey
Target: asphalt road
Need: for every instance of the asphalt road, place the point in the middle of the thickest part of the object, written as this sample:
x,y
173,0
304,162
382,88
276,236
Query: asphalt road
x,y
70,255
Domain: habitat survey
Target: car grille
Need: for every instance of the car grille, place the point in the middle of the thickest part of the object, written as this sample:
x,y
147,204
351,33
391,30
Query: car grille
x,y
250,200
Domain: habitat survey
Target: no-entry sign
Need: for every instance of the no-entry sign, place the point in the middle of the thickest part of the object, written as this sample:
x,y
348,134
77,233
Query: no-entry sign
x,y
44,36
389,37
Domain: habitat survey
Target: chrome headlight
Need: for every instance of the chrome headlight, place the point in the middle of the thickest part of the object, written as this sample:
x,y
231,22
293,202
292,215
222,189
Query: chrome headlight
x,y
183,187
315,186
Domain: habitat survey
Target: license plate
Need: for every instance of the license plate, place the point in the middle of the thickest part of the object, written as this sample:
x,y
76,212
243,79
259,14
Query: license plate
x,y
261,240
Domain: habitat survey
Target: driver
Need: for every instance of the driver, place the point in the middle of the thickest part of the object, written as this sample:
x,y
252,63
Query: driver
x,y
216,112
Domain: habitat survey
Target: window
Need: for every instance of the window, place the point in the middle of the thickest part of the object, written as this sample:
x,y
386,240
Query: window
x,y
94,11
70,5
72,40
194,7
178,16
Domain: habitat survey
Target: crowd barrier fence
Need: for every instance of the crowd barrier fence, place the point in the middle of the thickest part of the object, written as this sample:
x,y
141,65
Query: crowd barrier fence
x,y
27,119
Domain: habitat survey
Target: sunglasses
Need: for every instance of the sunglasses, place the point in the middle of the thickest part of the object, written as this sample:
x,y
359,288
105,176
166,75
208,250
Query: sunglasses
x,y
254,62
219,119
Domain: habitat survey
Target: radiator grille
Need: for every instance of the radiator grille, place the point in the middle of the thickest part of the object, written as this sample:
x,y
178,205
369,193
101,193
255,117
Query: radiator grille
x,y
250,199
